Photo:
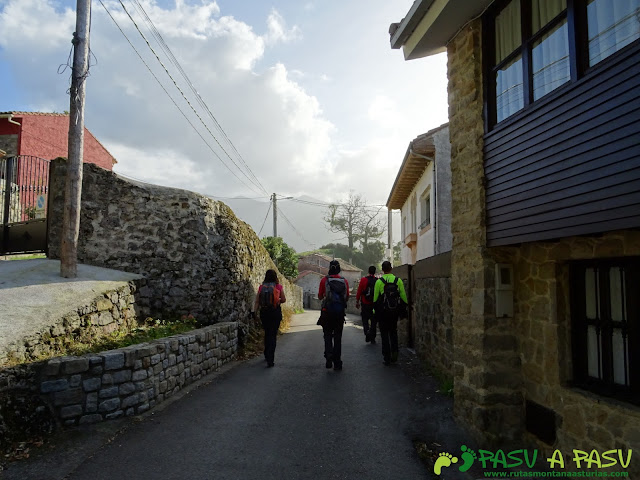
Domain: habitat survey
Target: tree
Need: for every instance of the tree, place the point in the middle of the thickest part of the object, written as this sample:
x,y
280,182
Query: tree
x,y
397,250
357,221
372,254
282,255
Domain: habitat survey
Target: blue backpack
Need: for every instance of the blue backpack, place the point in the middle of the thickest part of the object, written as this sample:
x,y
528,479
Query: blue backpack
x,y
335,298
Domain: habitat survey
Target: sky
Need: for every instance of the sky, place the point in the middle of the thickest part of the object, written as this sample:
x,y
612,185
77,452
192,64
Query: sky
x,y
301,98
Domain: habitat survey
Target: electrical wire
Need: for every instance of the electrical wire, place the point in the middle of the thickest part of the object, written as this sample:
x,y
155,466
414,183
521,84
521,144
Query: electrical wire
x,y
176,63
265,220
312,245
171,98
260,187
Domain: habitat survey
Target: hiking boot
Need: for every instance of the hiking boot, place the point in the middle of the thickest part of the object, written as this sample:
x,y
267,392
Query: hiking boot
x,y
328,363
338,366
270,364
373,341
387,362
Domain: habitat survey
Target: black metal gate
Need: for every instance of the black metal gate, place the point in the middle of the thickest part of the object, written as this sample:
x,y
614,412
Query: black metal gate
x,y
24,190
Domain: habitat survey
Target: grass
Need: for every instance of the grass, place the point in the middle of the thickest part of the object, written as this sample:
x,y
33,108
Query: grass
x,y
152,329
24,257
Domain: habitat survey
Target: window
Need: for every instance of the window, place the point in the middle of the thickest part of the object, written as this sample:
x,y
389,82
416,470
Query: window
x,y
534,47
611,25
606,327
414,214
425,209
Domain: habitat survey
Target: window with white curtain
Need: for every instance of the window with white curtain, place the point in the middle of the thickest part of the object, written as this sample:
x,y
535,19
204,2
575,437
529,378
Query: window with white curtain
x,y
611,25
604,323
531,43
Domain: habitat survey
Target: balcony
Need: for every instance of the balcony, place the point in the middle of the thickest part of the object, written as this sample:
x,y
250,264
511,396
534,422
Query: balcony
x,y
411,239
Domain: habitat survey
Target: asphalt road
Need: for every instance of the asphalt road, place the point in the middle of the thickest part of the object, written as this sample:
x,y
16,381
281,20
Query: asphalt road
x,y
297,420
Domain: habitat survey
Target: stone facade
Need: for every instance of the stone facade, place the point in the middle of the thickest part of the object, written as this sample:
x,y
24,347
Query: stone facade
x,y
111,311
97,387
584,421
197,257
432,324
501,365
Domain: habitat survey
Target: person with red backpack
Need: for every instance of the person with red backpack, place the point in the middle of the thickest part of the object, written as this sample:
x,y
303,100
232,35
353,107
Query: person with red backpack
x,y
390,303
364,297
334,293
268,300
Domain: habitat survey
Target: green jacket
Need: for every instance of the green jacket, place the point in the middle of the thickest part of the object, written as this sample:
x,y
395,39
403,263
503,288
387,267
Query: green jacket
x,y
379,288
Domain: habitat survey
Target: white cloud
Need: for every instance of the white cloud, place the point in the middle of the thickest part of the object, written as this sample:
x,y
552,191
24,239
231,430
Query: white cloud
x,y
277,30
307,124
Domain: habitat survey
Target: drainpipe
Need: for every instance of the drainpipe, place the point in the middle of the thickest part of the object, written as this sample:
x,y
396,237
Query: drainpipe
x,y
9,117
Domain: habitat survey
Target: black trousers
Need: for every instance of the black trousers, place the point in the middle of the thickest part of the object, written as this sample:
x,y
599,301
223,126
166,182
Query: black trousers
x,y
388,324
271,319
368,320
332,325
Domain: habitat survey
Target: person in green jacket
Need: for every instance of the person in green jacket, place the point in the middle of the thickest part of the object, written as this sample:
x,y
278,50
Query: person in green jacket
x,y
390,300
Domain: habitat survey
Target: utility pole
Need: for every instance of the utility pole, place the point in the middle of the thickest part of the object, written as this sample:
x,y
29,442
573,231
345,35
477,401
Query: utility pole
x,y
275,216
73,185
390,235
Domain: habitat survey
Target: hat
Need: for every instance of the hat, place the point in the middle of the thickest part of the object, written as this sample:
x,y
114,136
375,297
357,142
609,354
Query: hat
x,y
334,267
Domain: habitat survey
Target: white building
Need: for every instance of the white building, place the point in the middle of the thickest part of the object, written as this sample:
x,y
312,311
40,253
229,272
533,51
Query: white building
x,y
422,193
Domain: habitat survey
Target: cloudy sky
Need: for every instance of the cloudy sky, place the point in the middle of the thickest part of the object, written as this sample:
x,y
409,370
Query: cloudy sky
x,y
311,99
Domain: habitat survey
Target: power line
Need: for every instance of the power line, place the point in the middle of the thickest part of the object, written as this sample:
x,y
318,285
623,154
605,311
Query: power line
x,y
265,219
176,63
189,103
312,245
171,98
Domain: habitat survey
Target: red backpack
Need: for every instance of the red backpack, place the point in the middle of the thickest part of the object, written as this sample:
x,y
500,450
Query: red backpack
x,y
269,296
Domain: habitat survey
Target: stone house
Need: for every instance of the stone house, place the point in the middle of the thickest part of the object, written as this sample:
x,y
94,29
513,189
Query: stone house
x,y
46,135
422,193
545,266
319,263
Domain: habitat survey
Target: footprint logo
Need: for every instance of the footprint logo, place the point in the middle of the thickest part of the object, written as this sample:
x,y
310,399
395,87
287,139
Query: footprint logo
x,y
468,457
444,460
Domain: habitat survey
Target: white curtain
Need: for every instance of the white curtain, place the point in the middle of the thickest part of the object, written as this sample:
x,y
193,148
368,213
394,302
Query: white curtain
x,y
543,11
612,24
508,32
509,89
550,61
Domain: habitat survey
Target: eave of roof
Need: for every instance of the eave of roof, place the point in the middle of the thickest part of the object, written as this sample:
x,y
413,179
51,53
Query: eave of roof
x,y
413,166
431,24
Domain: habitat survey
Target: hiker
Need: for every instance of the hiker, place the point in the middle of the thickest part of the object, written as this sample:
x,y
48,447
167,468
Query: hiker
x,y
268,300
364,297
334,293
390,302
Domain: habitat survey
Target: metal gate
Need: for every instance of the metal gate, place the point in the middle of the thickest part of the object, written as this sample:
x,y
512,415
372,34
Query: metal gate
x,y
24,190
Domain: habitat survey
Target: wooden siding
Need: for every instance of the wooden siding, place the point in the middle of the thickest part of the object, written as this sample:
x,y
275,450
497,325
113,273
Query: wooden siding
x,y
569,164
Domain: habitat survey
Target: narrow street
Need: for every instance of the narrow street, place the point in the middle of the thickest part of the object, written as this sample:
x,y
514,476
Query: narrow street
x,y
297,420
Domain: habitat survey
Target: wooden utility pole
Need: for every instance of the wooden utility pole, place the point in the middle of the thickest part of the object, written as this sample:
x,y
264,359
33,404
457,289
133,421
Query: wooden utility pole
x,y
73,186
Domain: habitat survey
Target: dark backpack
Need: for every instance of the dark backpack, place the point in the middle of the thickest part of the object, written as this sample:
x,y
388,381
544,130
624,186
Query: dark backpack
x,y
269,296
335,298
370,288
390,295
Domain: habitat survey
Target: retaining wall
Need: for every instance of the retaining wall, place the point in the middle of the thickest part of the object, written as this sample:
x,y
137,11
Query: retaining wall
x,y
197,256
97,387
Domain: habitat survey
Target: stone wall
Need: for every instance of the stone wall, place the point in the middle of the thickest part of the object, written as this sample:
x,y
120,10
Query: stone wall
x,y
9,143
97,387
584,421
488,396
432,314
110,311
198,258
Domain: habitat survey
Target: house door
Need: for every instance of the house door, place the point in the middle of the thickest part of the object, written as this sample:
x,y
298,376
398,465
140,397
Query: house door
x,y
24,189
